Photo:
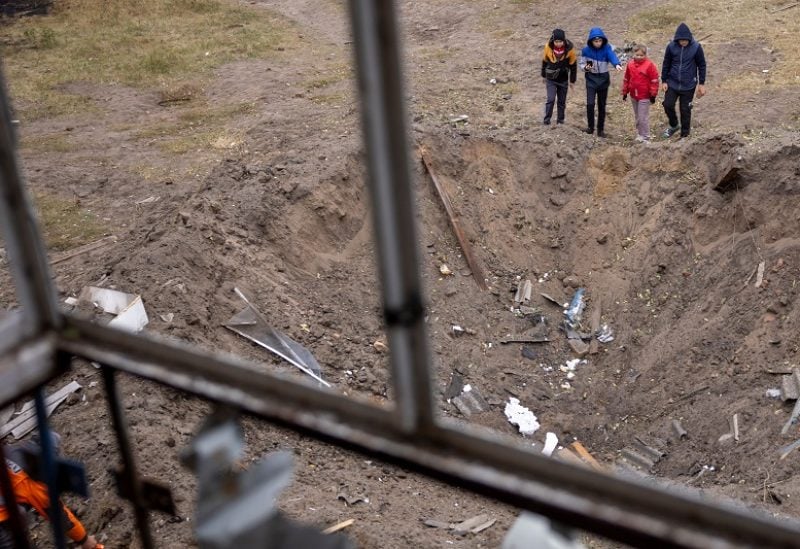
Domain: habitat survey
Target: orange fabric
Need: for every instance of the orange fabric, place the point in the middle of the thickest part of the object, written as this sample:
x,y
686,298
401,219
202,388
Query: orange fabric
x,y
33,493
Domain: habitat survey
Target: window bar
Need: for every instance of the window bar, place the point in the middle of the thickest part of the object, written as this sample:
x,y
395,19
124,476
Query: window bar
x,y
50,472
129,473
28,260
15,520
385,138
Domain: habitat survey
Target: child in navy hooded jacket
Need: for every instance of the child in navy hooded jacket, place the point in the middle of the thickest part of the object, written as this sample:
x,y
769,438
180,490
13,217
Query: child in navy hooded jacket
x,y
597,58
683,72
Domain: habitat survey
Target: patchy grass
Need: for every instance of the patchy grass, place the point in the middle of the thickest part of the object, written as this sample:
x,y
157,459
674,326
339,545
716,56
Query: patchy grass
x,y
141,43
198,127
59,143
719,22
65,223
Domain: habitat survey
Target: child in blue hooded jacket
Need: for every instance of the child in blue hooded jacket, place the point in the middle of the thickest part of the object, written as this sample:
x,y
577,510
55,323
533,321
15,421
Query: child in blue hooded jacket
x,y
597,58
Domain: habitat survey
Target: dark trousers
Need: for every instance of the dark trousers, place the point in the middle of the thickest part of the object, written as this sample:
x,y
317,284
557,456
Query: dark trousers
x,y
602,95
685,97
556,93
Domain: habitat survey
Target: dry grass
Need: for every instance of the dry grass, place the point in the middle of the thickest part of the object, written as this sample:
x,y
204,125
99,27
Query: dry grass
x,y
59,143
141,43
721,22
65,223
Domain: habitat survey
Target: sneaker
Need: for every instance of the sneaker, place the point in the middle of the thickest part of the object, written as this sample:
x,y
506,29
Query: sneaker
x,y
589,130
601,134
640,139
546,122
669,132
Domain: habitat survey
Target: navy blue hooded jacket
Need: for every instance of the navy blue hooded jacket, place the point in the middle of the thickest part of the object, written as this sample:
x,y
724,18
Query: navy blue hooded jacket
x,y
602,60
683,68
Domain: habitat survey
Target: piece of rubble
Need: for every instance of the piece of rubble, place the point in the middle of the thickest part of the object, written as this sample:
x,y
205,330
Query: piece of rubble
x,y
445,270
760,274
473,525
605,335
790,386
129,311
679,430
579,347
586,457
793,419
521,416
25,420
550,443
470,402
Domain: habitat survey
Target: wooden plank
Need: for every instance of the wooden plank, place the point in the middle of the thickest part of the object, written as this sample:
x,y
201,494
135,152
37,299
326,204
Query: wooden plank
x,y
28,410
477,270
340,526
584,454
80,250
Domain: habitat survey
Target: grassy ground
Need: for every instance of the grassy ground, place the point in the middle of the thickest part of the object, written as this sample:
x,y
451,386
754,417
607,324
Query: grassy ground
x,y
167,44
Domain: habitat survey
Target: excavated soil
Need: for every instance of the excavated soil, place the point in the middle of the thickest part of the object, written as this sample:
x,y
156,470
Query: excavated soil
x,y
670,261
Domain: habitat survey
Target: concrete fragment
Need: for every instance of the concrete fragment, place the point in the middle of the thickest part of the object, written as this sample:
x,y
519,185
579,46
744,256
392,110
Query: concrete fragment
x,y
790,386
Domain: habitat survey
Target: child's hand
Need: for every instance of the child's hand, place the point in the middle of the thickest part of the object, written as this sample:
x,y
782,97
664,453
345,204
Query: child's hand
x,y
624,96
653,100
619,68
701,90
664,87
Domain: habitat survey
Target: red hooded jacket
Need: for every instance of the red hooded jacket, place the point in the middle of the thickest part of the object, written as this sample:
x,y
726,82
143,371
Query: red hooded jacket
x,y
641,79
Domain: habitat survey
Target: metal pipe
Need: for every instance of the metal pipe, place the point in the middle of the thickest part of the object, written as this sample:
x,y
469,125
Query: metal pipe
x,y
27,257
129,471
383,115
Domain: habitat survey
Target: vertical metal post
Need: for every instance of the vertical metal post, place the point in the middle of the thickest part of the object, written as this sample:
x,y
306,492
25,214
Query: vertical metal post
x,y
385,137
129,473
26,252
10,503
50,470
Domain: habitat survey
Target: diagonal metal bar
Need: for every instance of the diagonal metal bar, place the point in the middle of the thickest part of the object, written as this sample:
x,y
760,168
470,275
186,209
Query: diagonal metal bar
x,y
384,125
622,509
129,472
26,252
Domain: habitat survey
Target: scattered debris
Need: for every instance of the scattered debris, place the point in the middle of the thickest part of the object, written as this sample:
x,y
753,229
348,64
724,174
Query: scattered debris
x,y
86,248
344,495
25,420
530,530
790,386
586,457
250,324
793,419
473,525
579,347
642,454
773,393
148,200
455,388
735,427
533,338
679,430
552,300
339,526
521,416
445,270
380,346
789,448
575,309
550,443
128,308
760,274
470,402
605,335
477,270
168,317
459,118
784,8
523,294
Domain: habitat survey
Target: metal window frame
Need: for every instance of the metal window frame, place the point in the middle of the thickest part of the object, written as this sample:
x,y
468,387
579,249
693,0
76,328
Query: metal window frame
x,y
33,350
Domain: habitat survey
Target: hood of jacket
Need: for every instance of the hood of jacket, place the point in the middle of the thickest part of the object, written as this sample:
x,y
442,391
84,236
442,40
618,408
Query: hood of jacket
x,y
597,32
683,33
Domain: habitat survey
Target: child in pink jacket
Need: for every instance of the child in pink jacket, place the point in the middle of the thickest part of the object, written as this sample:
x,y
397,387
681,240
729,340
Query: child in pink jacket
x,y
641,83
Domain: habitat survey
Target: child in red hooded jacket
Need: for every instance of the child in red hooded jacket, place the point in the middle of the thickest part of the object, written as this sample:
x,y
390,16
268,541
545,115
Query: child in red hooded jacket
x,y
641,83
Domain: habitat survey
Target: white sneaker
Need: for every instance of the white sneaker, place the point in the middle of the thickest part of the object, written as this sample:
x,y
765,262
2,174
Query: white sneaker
x,y
640,139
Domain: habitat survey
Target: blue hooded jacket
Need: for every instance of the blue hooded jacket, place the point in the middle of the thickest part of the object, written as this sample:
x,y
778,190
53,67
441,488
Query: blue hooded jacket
x,y
683,68
603,59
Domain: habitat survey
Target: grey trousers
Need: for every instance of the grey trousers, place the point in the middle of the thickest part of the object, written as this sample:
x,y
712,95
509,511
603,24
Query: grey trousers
x,y
556,93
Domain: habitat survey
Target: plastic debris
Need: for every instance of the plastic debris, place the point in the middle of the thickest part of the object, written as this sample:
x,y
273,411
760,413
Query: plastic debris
x,y
575,309
773,393
604,334
445,270
521,416
550,443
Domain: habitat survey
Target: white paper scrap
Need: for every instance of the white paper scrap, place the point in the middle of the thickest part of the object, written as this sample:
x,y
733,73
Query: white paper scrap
x,y
522,417
550,443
